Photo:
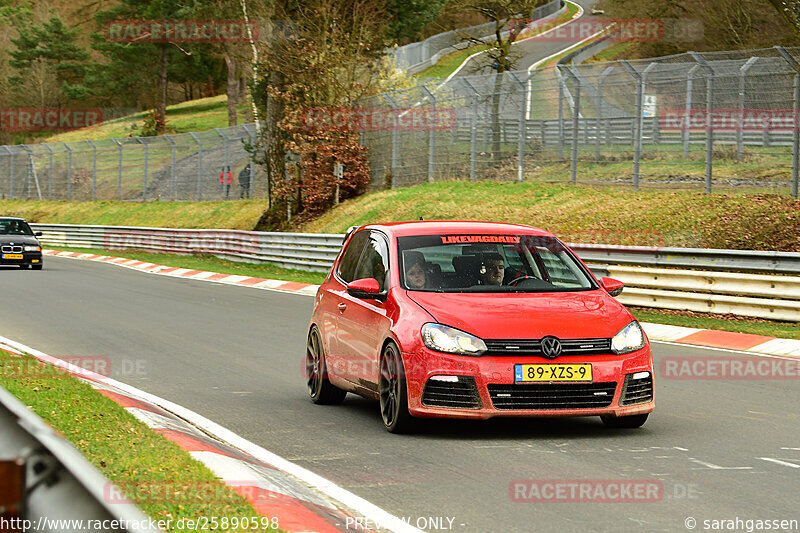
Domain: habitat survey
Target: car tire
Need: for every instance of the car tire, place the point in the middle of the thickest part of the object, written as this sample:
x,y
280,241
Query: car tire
x,y
393,392
36,267
321,390
628,422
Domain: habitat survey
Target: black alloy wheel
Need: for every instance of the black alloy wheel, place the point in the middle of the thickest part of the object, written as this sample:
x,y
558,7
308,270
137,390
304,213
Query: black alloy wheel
x,y
321,390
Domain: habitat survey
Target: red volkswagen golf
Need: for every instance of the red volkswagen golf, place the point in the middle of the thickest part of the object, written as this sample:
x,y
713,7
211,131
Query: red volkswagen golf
x,y
475,320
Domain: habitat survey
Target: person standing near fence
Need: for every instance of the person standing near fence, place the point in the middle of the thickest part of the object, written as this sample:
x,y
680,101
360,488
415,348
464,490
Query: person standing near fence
x,y
244,182
226,178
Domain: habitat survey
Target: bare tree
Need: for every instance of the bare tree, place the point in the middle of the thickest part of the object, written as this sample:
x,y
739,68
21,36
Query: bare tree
x,y
509,18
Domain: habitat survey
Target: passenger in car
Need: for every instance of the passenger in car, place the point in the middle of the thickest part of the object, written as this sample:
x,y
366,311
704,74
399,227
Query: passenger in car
x,y
415,264
493,269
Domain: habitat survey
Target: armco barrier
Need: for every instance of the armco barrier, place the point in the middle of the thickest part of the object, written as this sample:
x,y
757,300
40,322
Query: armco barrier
x,y
47,482
721,281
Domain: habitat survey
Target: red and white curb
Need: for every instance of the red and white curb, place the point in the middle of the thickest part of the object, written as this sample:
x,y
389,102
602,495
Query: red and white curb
x,y
725,340
708,338
277,488
230,279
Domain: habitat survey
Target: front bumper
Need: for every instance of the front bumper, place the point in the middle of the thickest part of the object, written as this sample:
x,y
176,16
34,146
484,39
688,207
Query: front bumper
x,y
486,386
28,258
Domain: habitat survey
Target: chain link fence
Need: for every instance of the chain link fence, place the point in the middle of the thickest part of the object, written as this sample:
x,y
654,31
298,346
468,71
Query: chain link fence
x,y
704,120
183,166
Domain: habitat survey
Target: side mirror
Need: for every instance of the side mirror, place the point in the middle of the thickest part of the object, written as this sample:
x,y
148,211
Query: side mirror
x,y
613,286
38,233
365,289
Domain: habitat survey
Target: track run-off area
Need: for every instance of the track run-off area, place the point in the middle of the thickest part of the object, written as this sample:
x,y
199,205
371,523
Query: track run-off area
x,y
714,449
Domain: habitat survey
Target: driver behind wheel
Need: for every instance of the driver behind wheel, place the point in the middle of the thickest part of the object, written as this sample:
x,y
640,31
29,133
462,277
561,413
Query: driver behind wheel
x,y
493,269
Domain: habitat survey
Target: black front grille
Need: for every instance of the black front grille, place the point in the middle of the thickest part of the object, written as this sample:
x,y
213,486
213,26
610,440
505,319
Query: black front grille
x,y
552,395
528,347
12,249
636,390
461,394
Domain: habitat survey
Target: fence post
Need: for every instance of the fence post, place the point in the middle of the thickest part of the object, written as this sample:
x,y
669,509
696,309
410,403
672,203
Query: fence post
x,y
199,163
172,168
688,118
144,186
523,127
795,109
576,111
94,168
119,169
742,90
227,160
473,133
395,139
637,121
599,106
709,121
560,80
50,176
69,171
645,72
431,137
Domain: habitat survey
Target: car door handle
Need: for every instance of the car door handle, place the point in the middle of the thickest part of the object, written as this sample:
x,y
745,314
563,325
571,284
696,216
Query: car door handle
x,y
342,307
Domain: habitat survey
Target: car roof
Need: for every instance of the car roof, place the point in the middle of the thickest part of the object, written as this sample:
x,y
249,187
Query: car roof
x,y
436,227
12,218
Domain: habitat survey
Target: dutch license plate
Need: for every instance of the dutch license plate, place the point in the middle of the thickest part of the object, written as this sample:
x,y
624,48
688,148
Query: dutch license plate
x,y
546,373
13,256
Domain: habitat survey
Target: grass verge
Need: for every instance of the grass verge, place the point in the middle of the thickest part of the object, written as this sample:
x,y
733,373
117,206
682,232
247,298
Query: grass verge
x,y
164,480
677,318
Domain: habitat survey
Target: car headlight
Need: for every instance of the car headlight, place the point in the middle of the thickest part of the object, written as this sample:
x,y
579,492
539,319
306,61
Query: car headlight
x,y
29,248
451,340
629,339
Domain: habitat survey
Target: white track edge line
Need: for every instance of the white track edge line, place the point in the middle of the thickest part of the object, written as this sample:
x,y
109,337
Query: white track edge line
x,y
355,503
168,274
687,345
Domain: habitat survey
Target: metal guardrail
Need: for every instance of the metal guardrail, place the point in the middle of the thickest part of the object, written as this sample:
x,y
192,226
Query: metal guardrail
x,y
722,281
48,486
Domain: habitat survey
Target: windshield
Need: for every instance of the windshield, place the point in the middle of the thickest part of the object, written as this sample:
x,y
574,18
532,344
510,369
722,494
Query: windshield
x,y
489,263
14,227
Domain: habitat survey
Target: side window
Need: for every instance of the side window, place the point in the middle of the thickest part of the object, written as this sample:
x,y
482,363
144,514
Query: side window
x,y
347,266
375,260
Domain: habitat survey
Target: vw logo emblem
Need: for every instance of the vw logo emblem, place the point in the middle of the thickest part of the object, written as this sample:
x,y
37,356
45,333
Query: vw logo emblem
x,y
551,347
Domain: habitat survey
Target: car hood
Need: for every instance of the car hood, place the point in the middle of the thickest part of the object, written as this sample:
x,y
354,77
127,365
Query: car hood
x,y
566,315
18,239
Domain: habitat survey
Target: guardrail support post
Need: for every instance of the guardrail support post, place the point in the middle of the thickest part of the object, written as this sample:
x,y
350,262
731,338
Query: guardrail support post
x,y
795,123
560,80
645,72
742,91
94,168
637,121
709,119
431,138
